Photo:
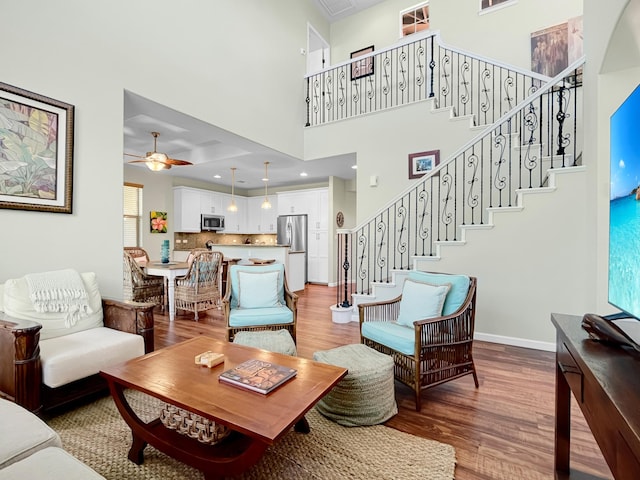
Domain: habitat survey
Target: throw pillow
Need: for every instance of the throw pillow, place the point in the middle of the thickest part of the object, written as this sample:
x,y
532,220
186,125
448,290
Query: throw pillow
x,y
421,300
258,290
459,287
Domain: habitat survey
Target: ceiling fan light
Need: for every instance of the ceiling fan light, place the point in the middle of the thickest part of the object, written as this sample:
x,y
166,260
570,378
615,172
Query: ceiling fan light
x,y
157,157
156,166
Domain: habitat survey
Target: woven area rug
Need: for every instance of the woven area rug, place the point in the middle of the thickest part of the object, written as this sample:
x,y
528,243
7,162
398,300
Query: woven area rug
x,y
97,435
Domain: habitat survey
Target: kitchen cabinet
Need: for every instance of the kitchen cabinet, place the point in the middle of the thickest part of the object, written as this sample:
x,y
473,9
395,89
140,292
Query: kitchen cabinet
x,y
211,203
235,222
260,220
189,203
318,256
186,209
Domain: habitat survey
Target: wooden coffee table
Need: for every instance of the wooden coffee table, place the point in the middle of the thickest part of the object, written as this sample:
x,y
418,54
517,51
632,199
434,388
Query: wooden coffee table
x,y
257,420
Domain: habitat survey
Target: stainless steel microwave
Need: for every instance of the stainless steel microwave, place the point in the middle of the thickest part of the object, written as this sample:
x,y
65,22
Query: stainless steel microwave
x,y
212,223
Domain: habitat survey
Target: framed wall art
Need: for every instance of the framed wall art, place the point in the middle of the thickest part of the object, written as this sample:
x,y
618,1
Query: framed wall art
x,y
549,50
158,222
364,67
36,151
422,162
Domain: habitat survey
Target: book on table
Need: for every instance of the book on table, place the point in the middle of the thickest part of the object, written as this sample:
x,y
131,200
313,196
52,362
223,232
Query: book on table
x,y
258,375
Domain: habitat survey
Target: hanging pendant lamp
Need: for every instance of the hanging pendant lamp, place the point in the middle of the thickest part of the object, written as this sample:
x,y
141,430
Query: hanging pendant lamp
x,y
266,205
232,206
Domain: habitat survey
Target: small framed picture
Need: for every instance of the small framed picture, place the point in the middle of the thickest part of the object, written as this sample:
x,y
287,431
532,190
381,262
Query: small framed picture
x,y
158,222
422,162
364,67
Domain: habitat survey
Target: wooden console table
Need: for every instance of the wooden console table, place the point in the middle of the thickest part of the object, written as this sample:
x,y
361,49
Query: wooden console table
x,y
605,381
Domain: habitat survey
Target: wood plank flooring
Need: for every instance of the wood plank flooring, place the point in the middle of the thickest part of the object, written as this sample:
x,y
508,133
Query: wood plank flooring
x,y
501,431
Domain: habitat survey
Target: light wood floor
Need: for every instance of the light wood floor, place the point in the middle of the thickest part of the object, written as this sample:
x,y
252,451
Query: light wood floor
x,y
501,431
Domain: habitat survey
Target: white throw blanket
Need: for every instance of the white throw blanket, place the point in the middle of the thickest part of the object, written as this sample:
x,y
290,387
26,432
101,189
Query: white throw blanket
x,y
59,291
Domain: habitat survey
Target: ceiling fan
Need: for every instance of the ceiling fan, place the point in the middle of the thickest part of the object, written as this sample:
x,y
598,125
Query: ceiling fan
x,y
155,160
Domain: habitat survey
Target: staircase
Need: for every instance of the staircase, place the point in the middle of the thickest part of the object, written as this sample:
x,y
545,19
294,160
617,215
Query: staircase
x,y
530,130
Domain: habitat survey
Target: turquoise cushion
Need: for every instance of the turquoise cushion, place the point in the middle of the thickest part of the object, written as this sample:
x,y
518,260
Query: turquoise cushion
x,y
246,317
421,300
395,336
233,276
457,294
258,289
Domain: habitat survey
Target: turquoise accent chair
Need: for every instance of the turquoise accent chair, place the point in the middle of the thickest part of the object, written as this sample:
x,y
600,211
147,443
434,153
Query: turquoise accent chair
x,y
429,334
258,298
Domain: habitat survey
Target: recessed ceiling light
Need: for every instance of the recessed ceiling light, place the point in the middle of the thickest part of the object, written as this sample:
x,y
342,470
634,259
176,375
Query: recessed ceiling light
x,y
303,174
355,167
217,176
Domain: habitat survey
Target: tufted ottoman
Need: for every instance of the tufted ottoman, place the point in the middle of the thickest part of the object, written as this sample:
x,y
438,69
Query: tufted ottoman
x,y
366,395
279,341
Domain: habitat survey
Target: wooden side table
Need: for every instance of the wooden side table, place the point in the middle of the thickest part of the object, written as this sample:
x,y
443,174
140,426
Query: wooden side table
x,y
605,381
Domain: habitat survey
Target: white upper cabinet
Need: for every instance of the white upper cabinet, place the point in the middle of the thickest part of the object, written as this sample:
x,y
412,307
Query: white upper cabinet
x,y
235,222
212,203
260,220
186,209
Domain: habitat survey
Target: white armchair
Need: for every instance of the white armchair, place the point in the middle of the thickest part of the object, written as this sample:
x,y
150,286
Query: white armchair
x,y
46,362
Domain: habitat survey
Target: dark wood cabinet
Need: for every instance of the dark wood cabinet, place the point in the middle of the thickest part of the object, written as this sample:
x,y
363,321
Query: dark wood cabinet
x,y
605,381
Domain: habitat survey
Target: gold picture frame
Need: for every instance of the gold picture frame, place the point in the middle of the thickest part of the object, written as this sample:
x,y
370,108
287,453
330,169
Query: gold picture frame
x,y
36,151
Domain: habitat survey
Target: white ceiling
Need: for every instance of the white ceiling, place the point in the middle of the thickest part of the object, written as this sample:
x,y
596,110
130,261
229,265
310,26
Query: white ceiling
x,y
335,10
214,151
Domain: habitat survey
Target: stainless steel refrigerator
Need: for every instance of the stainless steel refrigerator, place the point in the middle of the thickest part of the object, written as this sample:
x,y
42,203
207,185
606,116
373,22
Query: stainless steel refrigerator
x,y
292,231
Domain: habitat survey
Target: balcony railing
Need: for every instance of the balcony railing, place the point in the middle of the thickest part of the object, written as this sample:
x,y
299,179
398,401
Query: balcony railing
x,y
417,69
542,132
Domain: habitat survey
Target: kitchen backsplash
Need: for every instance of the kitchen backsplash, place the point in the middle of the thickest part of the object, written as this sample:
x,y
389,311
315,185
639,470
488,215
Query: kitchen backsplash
x,y
187,241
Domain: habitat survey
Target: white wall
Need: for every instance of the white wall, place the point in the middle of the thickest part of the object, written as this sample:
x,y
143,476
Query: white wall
x,y
235,64
504,34
383,142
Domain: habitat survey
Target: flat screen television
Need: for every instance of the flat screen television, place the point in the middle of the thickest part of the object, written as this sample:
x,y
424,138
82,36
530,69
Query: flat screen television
x,y
624,208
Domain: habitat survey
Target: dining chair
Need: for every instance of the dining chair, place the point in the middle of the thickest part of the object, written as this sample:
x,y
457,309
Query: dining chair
x,y
199,289
138,285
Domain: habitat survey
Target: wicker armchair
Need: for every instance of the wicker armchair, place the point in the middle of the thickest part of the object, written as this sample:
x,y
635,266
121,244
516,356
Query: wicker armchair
x,y
138,286
279,313
434,350
199,289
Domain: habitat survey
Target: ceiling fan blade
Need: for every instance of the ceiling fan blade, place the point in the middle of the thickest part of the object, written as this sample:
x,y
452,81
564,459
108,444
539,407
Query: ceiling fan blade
x,y
173,161
133,155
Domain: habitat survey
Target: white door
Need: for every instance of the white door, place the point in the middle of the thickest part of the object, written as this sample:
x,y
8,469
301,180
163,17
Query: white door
x,y
318,52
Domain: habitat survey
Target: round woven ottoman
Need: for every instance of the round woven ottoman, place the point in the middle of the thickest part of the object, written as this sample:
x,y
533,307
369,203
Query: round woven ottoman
x,y
366,395
278,341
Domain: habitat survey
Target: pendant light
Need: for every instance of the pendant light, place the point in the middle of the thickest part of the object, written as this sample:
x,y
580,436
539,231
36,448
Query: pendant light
x,y
232,206
266,205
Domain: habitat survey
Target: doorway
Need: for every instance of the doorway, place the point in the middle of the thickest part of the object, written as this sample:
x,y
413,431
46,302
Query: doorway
x,y
318,52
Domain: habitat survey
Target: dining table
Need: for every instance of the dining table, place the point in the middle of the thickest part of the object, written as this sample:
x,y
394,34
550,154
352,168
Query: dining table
x,y
170,271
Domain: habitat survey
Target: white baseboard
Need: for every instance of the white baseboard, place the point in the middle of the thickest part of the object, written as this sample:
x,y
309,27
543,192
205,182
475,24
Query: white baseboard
x,y
516,342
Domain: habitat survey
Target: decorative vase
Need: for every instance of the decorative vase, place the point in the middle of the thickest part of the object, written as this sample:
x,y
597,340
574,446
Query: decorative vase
x,y
164,252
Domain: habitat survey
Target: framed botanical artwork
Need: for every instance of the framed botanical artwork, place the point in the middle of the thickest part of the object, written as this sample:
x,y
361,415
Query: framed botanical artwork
x,y
491,5
414,19
158,222
364,67
36,151
422,162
